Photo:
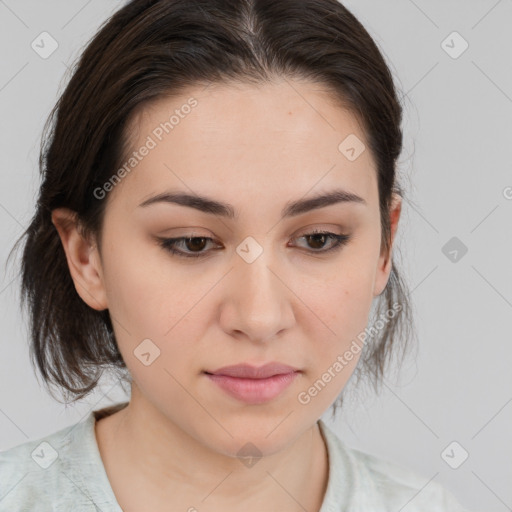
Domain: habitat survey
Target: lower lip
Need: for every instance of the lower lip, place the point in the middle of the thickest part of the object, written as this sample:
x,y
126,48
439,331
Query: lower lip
x,y
254,391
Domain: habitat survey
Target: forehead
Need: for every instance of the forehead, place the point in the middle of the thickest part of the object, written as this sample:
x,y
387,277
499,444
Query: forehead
x,y
279,139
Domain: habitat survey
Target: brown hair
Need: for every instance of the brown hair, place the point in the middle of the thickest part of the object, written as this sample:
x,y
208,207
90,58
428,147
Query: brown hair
x,y
154,48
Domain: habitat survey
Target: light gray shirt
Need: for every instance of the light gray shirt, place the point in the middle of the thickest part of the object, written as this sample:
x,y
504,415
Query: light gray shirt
x,y
64,472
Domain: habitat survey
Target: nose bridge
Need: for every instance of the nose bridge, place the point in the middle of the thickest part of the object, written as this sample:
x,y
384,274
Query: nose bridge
x,y
258,295
258,284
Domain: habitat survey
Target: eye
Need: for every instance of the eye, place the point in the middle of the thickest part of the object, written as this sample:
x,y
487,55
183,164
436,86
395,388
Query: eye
x,y
193,243
319,238
193,246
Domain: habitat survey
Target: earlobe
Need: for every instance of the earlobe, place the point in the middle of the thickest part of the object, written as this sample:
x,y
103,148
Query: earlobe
x,y
83,259
385,259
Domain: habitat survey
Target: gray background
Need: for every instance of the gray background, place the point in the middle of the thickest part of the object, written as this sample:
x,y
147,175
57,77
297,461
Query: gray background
x,y
456,170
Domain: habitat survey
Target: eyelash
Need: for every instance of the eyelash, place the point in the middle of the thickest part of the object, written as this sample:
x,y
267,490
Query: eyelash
x,y
169,244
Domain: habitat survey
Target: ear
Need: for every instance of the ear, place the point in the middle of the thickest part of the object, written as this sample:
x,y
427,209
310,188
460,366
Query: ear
x,y
385,259
83,259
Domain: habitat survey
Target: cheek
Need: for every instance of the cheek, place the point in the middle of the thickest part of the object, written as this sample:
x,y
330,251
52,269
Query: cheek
x,y
335,342
344,316
154,311
343,299
139,290
341,304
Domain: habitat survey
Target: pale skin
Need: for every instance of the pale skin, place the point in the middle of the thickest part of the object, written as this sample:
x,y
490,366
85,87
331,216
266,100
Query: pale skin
x,y
174,447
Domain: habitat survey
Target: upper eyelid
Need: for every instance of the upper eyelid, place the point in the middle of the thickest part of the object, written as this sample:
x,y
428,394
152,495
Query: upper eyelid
x,y
300,235
311,229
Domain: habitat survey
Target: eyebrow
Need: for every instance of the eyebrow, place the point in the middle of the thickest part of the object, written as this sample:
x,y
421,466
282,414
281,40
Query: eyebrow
x,y
291,209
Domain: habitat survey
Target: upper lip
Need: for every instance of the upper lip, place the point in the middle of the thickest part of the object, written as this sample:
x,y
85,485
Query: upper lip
x,y
246,371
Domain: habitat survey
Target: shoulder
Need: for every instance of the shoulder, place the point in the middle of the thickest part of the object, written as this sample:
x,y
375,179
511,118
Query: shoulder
x,y
404,489
43,474
380,485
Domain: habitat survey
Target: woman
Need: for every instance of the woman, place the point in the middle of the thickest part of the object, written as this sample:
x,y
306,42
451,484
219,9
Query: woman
x,y
215,223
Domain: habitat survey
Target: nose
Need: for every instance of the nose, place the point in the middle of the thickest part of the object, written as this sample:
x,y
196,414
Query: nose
x,y
259,303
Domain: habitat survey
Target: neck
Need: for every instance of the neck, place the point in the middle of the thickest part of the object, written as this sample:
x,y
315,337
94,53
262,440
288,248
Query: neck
x,y
151,461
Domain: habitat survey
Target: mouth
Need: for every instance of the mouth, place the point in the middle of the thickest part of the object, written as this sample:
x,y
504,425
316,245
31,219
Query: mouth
x,y
247,371
254,385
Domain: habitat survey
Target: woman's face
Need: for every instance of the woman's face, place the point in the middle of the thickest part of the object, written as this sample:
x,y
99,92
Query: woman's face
x,y
261,290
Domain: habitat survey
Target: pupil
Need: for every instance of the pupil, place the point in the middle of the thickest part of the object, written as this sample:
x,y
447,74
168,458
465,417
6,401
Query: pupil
x,y
322,239
190,243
